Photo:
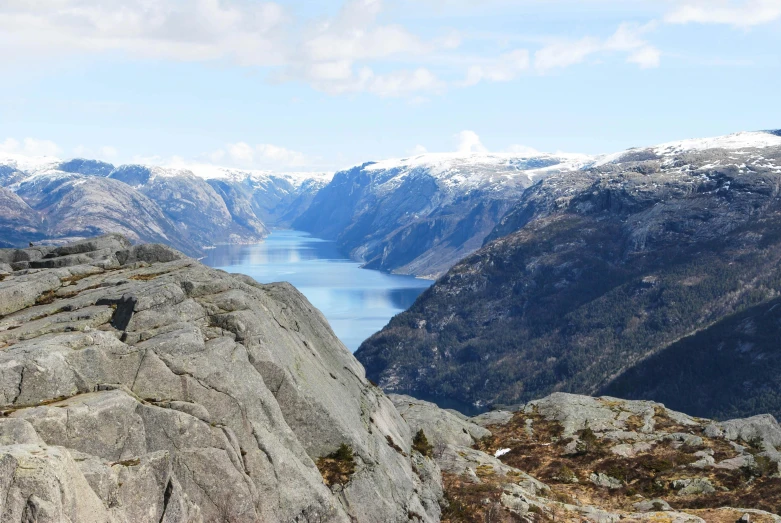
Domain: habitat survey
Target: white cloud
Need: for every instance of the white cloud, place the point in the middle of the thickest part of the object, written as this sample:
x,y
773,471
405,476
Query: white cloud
x,y
418,150
523,150
261,156
502,69
627,39
353,51
334,58
30,147
745,13
193,30
9,146
107,152
646,57
469,142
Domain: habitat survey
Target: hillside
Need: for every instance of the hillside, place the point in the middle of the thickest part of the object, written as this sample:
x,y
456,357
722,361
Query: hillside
x,y
596,270
421,215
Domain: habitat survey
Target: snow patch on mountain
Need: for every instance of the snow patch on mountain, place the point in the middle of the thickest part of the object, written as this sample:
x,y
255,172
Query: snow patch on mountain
x,y
736,141
28,164
731,142
214,172
466,171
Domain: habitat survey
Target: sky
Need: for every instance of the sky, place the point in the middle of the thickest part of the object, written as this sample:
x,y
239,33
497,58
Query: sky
x,y
298,85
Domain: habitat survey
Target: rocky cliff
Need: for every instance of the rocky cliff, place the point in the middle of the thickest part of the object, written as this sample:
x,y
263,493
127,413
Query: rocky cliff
x,y
139,385
421,215
597,270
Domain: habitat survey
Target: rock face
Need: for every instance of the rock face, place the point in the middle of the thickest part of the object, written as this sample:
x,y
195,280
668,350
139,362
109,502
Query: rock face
x,y
420,215
562,458
599,271
81,198
138,385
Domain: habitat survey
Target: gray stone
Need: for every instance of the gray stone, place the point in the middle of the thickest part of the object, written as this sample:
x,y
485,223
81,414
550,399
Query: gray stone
x,y
652,505
764,427
108,242
149,253
19,292
603,480
441,427
494,417
693,486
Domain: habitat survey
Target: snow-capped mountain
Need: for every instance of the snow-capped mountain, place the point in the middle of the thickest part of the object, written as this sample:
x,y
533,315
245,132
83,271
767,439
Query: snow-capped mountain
x,y
190,209
420,215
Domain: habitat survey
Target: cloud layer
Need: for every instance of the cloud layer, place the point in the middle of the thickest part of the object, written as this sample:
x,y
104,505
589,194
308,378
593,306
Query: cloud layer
x,y
353,51
30,147
745,13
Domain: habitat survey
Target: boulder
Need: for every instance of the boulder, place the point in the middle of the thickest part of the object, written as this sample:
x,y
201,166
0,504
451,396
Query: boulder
x,y
652,505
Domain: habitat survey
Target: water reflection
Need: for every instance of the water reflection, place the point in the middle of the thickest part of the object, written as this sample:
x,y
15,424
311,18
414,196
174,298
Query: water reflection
x,y
356,302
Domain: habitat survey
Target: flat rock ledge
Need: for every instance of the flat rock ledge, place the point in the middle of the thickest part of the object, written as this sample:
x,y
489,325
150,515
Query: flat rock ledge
x,y
138,385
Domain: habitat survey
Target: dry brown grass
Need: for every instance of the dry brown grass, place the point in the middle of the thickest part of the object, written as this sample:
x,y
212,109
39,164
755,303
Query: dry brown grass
x,y
649,474
337,468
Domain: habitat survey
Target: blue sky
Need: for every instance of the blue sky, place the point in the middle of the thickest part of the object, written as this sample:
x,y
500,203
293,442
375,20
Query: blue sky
x,y
302,85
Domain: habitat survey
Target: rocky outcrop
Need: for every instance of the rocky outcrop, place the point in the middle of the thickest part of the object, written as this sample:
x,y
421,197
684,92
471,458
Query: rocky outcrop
x,y
605,269
421,215
139,385
563,458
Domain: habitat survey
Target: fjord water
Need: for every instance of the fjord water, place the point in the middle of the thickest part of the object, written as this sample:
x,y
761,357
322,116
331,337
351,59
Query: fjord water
x,y
357,302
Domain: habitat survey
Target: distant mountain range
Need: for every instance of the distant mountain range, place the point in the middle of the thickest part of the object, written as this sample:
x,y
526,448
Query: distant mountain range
x,y
416,216
190,209
653,273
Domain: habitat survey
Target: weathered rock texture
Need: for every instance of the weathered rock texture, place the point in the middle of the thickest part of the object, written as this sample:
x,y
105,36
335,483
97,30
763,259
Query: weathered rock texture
x,y
138,385
577,458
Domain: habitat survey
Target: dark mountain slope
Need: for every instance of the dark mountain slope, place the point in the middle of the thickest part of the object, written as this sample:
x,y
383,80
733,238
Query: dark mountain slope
x,y
733,367
605,267
18,222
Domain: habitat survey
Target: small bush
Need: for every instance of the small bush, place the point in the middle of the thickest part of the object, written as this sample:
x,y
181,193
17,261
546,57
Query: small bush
x,y
421,444
754,444
587,441
761,467
337,468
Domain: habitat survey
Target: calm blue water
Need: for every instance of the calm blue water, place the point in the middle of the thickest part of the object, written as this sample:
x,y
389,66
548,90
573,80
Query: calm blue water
x,y
356,302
